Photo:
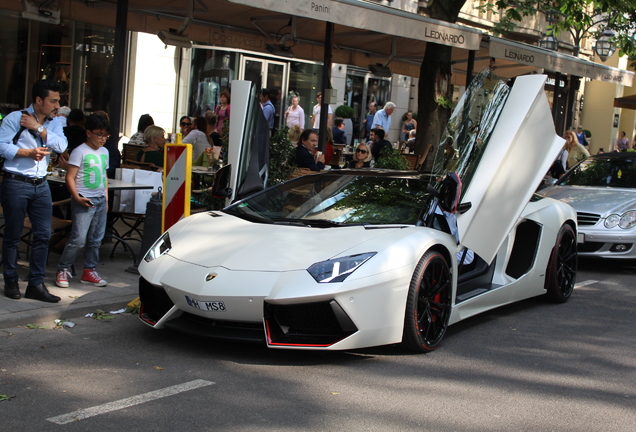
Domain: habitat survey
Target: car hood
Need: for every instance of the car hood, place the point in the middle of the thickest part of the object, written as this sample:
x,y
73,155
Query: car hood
x,y
266,247
597,200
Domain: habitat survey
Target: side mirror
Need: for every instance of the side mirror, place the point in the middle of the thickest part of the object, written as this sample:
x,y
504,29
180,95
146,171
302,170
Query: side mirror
x,y
450,193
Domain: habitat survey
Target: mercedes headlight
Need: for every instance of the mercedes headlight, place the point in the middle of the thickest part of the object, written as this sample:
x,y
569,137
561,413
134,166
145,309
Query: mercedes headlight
x,y
338,269
161,247
628,220
612,220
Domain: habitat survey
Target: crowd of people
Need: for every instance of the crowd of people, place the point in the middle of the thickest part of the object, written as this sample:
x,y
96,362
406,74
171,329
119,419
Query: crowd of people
x,y
375,127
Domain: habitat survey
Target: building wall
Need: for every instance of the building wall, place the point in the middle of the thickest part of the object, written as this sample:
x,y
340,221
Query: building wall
x,y
598,113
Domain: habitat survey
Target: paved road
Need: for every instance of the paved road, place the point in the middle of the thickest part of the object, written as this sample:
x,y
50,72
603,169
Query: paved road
x,y
532,366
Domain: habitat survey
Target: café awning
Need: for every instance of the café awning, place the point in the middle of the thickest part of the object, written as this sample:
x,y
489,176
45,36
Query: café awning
x,y
363,15
541,58
628,102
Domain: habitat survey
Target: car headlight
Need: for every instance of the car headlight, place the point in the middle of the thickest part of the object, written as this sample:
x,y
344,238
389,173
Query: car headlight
x,y
628,220
338,269
161,247
612,220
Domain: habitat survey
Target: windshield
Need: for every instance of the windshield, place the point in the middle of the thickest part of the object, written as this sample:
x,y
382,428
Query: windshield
x,y
340,199
602,172
470,128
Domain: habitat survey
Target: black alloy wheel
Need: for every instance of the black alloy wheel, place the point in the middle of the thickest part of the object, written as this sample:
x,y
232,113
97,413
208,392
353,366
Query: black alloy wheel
x,y
428,306
561,271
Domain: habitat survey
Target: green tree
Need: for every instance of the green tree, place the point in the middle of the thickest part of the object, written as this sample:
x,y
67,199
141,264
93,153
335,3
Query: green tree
x,y
571,15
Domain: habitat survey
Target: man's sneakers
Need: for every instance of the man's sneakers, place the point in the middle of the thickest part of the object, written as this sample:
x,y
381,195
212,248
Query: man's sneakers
x,y
90,276
62,277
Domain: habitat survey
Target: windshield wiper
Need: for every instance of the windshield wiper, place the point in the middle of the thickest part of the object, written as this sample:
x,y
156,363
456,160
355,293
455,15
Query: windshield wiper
x,y
310,222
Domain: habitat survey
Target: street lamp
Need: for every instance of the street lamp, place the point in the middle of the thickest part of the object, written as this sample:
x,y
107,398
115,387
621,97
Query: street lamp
x,y
549,42
604,47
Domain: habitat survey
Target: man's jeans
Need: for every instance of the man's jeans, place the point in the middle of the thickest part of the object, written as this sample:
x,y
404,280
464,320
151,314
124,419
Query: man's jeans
x,y
89,225
20,199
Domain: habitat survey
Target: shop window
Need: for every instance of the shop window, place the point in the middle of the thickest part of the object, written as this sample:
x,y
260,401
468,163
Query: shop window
x,y
212,73
92,68
14,49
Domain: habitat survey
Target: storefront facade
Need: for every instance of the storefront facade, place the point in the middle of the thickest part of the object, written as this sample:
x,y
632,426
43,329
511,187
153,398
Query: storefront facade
x,y
168,82
77,55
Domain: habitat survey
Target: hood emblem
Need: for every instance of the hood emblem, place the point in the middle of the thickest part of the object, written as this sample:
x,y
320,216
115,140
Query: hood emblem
x,y
210,276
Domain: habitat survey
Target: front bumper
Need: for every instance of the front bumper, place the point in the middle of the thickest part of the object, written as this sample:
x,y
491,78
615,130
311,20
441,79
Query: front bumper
x,y
604,243
300,325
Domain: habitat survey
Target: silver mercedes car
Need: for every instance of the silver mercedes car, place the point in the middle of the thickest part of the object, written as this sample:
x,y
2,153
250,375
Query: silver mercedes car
x,y
602,190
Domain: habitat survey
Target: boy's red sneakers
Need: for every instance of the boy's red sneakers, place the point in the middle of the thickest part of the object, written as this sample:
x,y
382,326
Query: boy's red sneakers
x,y
62,277
90,276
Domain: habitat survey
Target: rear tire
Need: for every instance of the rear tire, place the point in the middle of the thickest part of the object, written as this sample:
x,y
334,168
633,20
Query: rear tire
x,y
561,272
428,305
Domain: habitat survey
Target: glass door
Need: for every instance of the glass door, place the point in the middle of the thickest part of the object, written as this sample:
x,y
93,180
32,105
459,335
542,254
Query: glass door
x,y
269,74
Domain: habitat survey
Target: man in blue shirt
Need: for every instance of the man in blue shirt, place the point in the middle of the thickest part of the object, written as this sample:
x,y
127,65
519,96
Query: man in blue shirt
x,y
368,120
268,108
382,118
26,141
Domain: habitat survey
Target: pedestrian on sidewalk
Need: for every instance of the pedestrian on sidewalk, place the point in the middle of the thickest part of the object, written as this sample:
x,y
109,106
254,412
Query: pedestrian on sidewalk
x,y
26,140
87,182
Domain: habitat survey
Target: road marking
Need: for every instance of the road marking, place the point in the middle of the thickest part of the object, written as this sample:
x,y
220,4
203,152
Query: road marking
x,y
584,283
128,402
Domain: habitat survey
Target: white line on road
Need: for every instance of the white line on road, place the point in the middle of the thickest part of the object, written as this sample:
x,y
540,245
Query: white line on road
x,y
128,402
584,283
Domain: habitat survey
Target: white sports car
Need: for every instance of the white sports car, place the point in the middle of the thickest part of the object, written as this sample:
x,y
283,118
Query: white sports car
x,y
348,259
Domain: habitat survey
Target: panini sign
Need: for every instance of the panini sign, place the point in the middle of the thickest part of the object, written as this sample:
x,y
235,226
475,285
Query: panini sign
x,y
366,16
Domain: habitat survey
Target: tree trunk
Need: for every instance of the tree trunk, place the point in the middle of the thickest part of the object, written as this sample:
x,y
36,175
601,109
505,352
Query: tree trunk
x,y
435,78
435,74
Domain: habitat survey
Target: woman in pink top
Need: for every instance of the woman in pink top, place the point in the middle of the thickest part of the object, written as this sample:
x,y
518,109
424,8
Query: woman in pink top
x,y
295,114
222,111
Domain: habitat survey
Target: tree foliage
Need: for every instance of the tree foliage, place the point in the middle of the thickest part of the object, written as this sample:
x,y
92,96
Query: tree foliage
x,y
582,16
282,157
392,159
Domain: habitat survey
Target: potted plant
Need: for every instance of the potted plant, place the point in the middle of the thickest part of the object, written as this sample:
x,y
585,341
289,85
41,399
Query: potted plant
x,y
346,112
282,157
391,158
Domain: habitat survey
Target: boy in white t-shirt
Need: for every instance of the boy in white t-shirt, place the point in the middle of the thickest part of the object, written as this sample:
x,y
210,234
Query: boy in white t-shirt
x,y
86,181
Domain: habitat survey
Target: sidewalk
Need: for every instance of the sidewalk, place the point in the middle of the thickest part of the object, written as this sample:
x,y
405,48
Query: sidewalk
x,y
78,299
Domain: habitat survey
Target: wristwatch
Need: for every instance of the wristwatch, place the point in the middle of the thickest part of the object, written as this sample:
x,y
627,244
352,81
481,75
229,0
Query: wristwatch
x,y
40,129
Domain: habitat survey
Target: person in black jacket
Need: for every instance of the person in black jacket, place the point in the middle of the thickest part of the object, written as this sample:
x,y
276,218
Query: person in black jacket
x,y
75,132
305,152
377,136
339,136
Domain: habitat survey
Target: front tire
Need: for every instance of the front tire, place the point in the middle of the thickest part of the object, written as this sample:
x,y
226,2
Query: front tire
x,y
561,271
428,304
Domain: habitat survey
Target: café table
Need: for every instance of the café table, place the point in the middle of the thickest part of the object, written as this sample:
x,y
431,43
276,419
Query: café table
x,y
199,174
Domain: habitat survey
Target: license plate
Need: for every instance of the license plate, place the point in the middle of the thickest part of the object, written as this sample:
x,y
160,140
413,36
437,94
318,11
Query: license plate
x,y
207,306
580,238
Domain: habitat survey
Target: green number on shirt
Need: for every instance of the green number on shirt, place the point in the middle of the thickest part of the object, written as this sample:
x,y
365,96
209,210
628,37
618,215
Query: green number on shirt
x,y
94,166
